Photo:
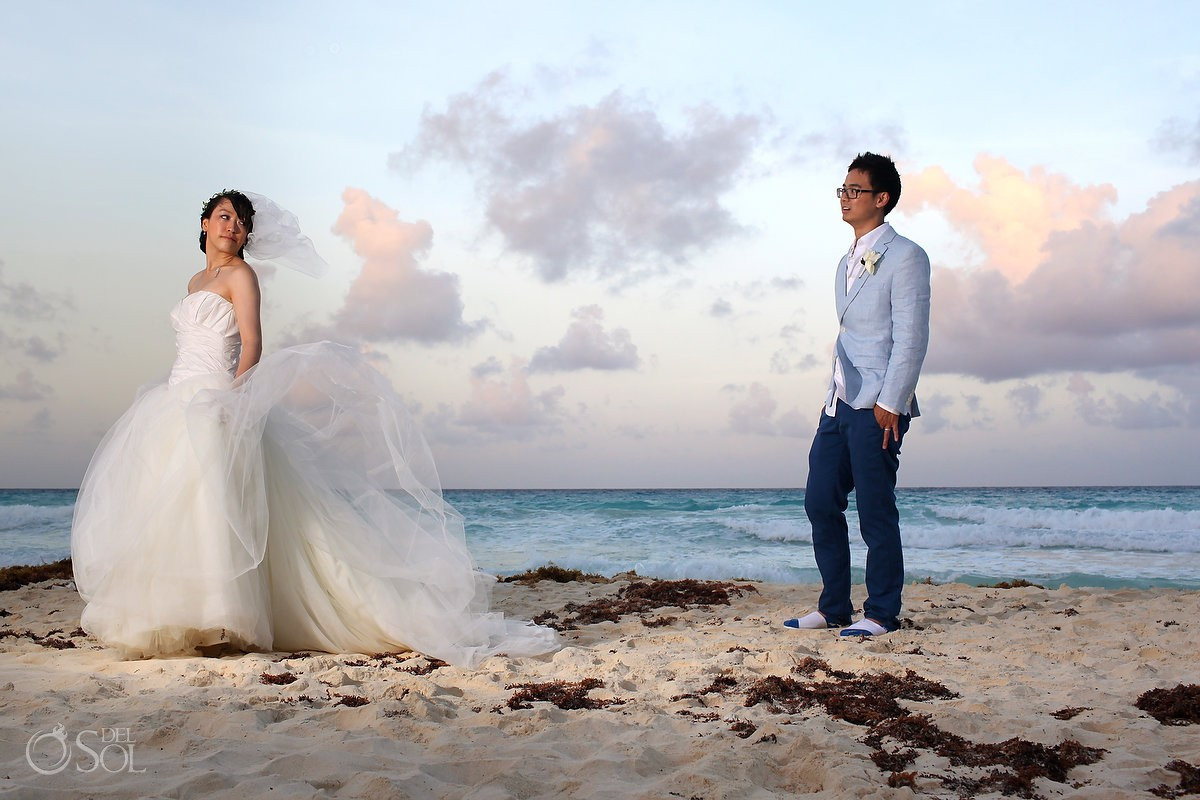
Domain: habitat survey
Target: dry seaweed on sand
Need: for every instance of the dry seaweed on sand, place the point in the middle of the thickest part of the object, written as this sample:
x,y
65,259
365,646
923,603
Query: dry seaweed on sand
x,y
1040,760
895,761
1018,762
567,696
1019,583
707,716
18,576
429,666
277,679
859,699
1177,706
720,685
872,700
1189,781
553,572
643,596
809,666
50,641
1069,713
743,728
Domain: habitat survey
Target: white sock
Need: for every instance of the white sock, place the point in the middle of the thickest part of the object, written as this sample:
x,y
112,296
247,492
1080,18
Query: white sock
x,y
812,621
864,626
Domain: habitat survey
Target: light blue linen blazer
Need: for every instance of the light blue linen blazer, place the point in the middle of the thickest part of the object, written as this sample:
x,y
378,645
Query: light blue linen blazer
x,y
884,327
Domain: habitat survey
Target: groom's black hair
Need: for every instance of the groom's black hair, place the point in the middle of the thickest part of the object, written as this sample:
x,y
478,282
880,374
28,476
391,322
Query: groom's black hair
x,y
884,176
241,206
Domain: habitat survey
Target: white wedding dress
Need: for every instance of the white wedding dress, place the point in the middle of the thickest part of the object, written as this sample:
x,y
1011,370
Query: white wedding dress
x,y
296,510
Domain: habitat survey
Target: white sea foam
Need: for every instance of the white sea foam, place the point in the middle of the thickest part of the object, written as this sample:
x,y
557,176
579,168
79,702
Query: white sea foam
x,y
771,530
744,507
1155,531
1165,520
29,517
697,567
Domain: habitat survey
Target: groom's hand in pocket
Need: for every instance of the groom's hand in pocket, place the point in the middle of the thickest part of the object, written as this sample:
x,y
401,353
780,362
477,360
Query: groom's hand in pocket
x,y
890,423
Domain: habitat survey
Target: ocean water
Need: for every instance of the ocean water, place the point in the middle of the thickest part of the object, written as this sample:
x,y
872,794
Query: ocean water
x,y
1105,536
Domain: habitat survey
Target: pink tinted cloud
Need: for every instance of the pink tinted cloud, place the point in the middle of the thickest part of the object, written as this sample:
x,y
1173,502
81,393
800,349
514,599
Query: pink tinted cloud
x,y
1011,214
505,405
755,413
1094,295
587,345
394,298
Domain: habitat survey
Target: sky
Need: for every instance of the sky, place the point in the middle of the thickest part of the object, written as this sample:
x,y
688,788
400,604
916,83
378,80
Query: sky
x,y
592,245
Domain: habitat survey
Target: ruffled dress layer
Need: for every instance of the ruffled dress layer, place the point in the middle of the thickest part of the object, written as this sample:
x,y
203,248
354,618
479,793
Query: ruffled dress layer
x,y
299,509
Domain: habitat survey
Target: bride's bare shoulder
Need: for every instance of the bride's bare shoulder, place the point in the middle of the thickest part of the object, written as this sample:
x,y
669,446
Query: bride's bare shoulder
x,y
196,281
241,273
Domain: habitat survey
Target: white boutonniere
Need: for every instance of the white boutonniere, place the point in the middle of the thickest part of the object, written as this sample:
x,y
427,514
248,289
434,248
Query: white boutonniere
x,y
869,260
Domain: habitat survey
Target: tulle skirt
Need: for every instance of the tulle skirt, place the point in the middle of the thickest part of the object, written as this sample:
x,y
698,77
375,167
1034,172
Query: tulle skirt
x,y
297,510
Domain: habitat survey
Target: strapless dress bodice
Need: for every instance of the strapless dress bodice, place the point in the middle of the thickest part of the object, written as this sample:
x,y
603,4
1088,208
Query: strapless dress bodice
x,y
207,341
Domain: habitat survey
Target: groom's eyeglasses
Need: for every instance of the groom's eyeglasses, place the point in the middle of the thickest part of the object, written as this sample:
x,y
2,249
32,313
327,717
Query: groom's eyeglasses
x,y
853,192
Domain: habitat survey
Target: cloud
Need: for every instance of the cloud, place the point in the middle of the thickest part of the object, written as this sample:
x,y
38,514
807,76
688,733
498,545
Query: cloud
x,y
27,309
34,347
586,345
29,306
1182,136
791,356
1121,411
769,288
788,359
1012,214
941,411
510,408
490,367
755,292
755,414
592,188
25,302
933,412
393,298
1063,288
1027,400
26,388
720,308
42,421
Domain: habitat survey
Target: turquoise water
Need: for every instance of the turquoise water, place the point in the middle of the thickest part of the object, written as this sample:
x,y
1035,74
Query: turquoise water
x,y
1129,536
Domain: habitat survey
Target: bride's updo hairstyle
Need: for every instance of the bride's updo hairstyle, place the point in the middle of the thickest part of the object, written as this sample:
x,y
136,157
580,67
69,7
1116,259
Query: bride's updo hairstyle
x,y
241,206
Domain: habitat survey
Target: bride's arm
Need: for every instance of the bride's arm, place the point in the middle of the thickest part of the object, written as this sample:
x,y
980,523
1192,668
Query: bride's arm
x,y
246,299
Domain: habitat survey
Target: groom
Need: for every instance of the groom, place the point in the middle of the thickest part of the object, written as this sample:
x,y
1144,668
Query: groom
x,y
882,296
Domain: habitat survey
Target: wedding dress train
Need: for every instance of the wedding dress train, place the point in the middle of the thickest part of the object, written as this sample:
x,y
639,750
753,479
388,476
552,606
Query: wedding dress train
x,y
297,508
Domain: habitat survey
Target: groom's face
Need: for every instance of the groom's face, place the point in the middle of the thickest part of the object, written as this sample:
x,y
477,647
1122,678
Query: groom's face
x,y
867,207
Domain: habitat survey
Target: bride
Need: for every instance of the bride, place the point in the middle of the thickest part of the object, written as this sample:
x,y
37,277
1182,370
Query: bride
x,y
287,503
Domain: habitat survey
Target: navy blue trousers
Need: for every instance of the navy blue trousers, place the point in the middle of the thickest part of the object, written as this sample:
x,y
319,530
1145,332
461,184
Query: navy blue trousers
x,y
847,455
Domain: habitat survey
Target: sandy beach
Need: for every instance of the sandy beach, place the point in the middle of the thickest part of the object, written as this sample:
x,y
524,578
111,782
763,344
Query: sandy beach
x,y
985,691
